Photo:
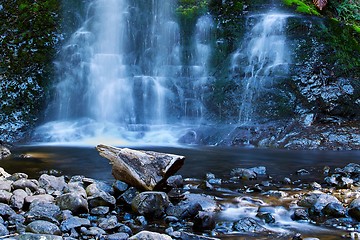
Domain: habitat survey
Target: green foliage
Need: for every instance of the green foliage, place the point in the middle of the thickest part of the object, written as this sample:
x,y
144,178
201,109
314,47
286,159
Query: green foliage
x,y
347,11
190,9
343,44
303,6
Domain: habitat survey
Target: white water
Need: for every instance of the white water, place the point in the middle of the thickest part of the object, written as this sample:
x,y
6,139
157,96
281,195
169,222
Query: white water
x,y
122,79
263,57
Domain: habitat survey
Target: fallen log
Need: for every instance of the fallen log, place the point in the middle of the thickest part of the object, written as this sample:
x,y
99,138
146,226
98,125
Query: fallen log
x,y
146,170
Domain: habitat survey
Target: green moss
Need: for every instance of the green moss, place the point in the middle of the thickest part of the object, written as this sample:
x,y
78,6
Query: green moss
x,y
356,28
190,9
302,7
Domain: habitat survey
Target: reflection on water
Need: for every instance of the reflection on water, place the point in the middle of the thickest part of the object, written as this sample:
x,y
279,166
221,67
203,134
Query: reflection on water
x,y
201,160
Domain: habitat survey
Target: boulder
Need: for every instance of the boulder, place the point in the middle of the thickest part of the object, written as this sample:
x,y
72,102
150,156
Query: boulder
x,y
43,211
146,170
17,200
150,204
204,221
51,183
73,222
354,209
247,224
243,173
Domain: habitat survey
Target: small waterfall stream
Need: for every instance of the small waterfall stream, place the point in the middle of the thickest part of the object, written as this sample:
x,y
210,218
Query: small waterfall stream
x,y
262,58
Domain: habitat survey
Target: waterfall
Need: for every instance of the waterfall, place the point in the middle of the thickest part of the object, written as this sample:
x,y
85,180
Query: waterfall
x,y
262,58
121,77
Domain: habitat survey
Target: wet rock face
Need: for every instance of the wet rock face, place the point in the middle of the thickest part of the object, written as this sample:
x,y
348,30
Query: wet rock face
x,y
4,152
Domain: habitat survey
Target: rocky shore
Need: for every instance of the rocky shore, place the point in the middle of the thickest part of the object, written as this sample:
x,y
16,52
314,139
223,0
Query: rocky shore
x,y
247,203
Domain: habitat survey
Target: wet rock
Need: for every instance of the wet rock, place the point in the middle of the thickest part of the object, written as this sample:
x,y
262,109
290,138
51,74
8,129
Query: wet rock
x,y
4,152
17,176
354,209
118,236
76,187
184,210
191,236
352,168
261,170
17,200
266,217
143,169
243,173
334,209
247,225
44,198
175,181
74,202
146,235
125,229
109,223
276,193
3,230
5,185
101,199
150,204
207,202
302,172
6,210
300,214
74,222
33,236
101,210
23,183
129,195
43,227
92,231
141,221
5,196
204,221
44,211
317,201
51,183
119,187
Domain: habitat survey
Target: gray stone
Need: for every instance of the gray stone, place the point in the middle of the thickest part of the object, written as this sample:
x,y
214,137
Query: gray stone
x,y
33,236
175,181
74,222
43,227
17,200
146,235
5,185
76,187
6,210
44,198
17,176
184,210
51,183
118,236
44,211
150,204
101,198
92,231
109,223
3,230
243,173
101,210
5,196
334,209
354,209
300,214
204,221
247,225
129,195
74,202
119,187
23,183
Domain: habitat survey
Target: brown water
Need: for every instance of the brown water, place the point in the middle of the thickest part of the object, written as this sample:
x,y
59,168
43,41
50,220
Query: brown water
x,y
199,161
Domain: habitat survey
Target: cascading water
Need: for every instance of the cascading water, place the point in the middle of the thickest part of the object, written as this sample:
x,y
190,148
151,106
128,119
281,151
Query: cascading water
x,y
262,59
122,78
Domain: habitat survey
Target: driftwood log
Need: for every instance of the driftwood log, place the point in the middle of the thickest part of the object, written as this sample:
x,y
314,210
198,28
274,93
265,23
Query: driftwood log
x,y
146,170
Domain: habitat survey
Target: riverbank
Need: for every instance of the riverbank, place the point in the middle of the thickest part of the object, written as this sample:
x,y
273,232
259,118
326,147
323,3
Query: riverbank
x,y
243,203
